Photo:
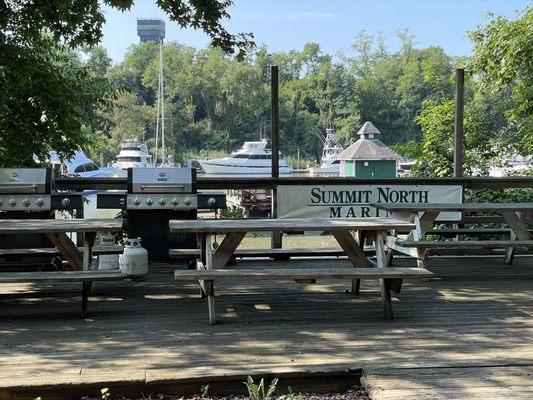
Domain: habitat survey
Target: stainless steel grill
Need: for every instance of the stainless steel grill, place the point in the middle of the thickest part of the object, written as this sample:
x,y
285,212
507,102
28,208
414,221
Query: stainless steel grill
x,y
30,189
154,196
162,188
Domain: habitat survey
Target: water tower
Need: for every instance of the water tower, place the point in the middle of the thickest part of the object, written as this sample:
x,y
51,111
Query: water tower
x,y
151,29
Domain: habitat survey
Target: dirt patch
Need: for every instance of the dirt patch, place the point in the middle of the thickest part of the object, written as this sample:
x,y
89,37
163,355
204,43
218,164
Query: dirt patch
x,y
355,393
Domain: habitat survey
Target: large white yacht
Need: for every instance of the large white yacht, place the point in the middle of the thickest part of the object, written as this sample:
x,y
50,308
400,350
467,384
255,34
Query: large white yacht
x,y
133,154
329,163
251,159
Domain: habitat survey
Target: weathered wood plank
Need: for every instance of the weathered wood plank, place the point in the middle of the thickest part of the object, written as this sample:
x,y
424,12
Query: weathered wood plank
x,y
291,274
54,251
289,224
465,244
257,253
59,225
60,276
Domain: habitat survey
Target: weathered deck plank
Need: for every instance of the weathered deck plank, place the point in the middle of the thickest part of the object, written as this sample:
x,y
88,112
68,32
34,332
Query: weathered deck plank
x,y
476,314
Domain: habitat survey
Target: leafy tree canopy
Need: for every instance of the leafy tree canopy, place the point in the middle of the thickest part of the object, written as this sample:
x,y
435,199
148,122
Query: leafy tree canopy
x,y
503,58
50,99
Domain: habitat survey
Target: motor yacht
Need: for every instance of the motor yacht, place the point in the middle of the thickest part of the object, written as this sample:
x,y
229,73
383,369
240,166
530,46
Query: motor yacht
x,y
133,154
252,158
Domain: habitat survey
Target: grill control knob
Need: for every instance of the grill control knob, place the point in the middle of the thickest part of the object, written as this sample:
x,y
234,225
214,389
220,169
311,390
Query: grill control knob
x,y
174,201
211,201
187,201
12,202
65,202
26,202
136,201
149,201
39,202
162,201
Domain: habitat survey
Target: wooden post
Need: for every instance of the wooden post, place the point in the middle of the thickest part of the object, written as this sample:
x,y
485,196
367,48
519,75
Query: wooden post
x,y
459,129
274,88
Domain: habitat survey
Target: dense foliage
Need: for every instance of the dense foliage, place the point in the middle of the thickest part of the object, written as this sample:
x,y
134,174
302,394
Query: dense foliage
x,y
50,99
214,102
498,103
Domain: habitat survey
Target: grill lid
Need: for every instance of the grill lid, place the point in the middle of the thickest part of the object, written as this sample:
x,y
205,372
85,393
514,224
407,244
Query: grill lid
x,y
161,180
25,180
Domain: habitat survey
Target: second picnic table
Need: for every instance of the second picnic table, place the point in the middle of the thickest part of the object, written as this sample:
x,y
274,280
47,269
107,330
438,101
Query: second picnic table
x,y
424,215
56,231
235,231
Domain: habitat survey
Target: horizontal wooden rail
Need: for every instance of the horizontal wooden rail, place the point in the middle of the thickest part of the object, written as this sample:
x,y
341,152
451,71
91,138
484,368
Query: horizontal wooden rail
x,y
205,183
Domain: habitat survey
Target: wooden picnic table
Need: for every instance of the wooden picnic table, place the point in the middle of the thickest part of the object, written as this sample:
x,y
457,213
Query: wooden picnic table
x,y
424,215
216,257
56,231
236,230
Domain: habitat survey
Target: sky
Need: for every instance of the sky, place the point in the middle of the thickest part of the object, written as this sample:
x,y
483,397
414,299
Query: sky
x,y
334,24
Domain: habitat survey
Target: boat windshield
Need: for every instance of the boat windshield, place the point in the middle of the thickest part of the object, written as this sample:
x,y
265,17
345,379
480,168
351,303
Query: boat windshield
x,y
129,159
240,156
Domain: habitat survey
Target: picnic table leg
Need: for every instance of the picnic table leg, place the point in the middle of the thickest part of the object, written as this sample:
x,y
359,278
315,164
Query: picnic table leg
x,y
354,252
226,249
385,284
85,291
208,285
88,243
423,223
518,231
203,257
510,250
67,248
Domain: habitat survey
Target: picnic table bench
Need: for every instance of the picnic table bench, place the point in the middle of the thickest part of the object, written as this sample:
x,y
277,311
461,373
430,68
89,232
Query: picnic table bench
x,y
424,215
214,258
56,230
85,277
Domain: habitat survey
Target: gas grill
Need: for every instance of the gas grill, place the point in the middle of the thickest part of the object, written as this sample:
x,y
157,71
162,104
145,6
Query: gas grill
x,y
153,197
30,189
28,193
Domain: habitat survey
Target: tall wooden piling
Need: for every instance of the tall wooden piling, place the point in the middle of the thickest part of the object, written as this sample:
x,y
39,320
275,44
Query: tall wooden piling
x,y
274,89
459,128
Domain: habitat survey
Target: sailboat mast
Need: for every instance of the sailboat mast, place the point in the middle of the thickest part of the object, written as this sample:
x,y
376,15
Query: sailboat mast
x,y
157,123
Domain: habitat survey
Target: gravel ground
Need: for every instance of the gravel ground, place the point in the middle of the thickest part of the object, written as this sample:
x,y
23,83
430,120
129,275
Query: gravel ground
x,y
356,393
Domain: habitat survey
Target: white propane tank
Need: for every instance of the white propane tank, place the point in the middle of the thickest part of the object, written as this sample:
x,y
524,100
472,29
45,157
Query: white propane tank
x,y
134,260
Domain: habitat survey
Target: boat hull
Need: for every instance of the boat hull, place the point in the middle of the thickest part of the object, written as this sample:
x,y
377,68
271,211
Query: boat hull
x,y
215,169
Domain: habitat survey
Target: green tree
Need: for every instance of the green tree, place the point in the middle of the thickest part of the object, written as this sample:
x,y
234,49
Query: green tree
x,y
49,98
503,59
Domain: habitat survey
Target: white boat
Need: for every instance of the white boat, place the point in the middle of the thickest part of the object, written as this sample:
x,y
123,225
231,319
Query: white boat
x,y
251,159
329,163
133,154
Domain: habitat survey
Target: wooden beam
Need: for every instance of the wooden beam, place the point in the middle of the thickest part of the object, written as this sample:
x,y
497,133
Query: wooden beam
x,y
459,116
67,248
226,249
276,237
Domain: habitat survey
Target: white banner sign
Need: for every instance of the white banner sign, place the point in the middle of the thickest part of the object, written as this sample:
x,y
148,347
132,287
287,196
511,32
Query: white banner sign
x,y
345,201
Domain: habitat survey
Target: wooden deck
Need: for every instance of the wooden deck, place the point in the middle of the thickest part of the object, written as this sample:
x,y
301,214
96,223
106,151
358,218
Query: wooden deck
x,y
466,334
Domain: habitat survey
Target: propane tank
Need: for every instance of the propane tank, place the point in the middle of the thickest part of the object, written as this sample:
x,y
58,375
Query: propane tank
x,y
134,260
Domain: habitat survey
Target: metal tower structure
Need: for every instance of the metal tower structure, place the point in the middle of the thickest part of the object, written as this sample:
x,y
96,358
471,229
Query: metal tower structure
x,y
154,30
